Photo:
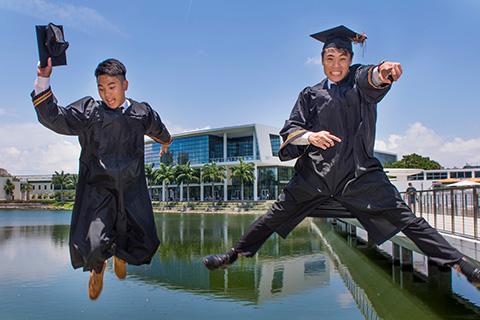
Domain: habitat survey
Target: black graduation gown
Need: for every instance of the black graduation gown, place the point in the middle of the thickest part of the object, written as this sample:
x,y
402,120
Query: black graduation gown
x,y
348,172
113,212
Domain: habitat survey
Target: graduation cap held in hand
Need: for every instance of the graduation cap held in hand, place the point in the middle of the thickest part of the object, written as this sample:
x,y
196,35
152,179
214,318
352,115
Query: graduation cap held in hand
x,y
51,44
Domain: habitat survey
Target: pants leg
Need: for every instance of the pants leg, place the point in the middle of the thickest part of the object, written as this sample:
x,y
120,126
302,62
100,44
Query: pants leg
x,y
253,238
432,243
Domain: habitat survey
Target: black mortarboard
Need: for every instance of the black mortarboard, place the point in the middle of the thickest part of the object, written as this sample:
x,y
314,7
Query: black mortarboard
x,y
339,37
51,43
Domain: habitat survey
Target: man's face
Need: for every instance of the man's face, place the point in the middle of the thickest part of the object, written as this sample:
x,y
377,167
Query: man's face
x,y
335,64
112,90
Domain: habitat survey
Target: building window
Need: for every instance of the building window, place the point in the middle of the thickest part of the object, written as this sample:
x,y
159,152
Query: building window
x,y
275,144
285,174
418,176
436,175
460,174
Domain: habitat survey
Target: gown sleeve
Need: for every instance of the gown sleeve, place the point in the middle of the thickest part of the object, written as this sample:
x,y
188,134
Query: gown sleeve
x,y
296,126
155,128
363,78
68,120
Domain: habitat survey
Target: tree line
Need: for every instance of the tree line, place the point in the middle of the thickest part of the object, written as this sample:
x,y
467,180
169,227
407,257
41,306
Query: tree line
x,y
210,173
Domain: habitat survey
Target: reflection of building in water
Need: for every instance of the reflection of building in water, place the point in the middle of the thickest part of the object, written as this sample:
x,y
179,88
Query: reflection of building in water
x,y
293,275
282,268
252,280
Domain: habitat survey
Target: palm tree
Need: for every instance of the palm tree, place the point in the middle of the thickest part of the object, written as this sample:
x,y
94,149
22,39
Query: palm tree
x,y
61,179
9,187
212,172
164,174
245,171
73,181
184,173
26,188
150,176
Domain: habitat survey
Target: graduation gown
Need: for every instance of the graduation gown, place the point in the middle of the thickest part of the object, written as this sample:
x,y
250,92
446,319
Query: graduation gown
x,y
112,214
346,175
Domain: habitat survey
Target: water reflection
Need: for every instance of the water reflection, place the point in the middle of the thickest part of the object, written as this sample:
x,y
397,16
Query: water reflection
x,y
314,273
392,292
290,267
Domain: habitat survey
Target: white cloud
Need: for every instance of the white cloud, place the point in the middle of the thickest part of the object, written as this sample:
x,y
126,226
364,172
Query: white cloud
x,y
77,17
179,129
33,149
2,111
314,60
426,142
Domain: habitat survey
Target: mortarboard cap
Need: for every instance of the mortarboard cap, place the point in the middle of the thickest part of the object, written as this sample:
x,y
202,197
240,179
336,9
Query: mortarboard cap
x,y
51,43
339,37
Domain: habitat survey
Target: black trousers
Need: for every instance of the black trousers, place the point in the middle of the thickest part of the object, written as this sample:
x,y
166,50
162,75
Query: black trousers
x,y
427,239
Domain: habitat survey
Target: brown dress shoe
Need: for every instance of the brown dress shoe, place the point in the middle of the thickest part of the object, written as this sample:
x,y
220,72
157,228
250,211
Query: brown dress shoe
x,y
95,284
120,268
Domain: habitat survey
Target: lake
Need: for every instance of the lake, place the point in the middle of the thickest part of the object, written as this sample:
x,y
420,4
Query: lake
x,y
314,273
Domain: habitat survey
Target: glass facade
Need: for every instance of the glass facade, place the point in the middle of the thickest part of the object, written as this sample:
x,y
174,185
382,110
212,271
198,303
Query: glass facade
x,y
152,151
384,157
201,150
267,183
241,147
271,181
275,143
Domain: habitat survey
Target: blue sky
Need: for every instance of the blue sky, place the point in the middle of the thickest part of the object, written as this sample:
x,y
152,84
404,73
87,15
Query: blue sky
x,y
218,63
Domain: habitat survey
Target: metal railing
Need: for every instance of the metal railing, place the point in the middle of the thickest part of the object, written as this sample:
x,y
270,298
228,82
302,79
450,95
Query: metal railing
x,y
451,210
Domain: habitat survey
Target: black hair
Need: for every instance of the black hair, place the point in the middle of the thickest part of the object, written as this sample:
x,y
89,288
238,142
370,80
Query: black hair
x,y
342,50
111,67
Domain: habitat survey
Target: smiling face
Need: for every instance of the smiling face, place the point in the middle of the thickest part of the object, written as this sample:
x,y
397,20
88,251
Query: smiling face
x,y
112,90
336,63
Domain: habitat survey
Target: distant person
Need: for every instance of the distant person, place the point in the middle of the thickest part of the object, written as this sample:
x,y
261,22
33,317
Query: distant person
x,y
331,133
411,194
113,214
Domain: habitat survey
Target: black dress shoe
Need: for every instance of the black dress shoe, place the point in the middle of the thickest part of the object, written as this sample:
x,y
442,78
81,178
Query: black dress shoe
x,y
470,272
220,261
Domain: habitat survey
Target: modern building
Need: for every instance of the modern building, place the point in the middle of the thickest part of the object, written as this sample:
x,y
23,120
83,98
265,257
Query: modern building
x,y
252,142
429,179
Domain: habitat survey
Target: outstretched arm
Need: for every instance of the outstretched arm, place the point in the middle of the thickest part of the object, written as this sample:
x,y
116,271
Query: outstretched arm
x,y
62,120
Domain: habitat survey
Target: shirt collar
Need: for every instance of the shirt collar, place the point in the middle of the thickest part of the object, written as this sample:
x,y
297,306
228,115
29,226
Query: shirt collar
x,y
329,83
125,105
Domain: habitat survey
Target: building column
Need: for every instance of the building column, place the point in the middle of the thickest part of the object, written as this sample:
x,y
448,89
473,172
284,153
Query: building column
x,y
255,184
181,191
254,146
225,153
163,190
225,193
202,193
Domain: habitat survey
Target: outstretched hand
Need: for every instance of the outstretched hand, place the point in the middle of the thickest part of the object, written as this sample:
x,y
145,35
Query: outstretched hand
x,y
164,149
47,71
323,139
389,71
